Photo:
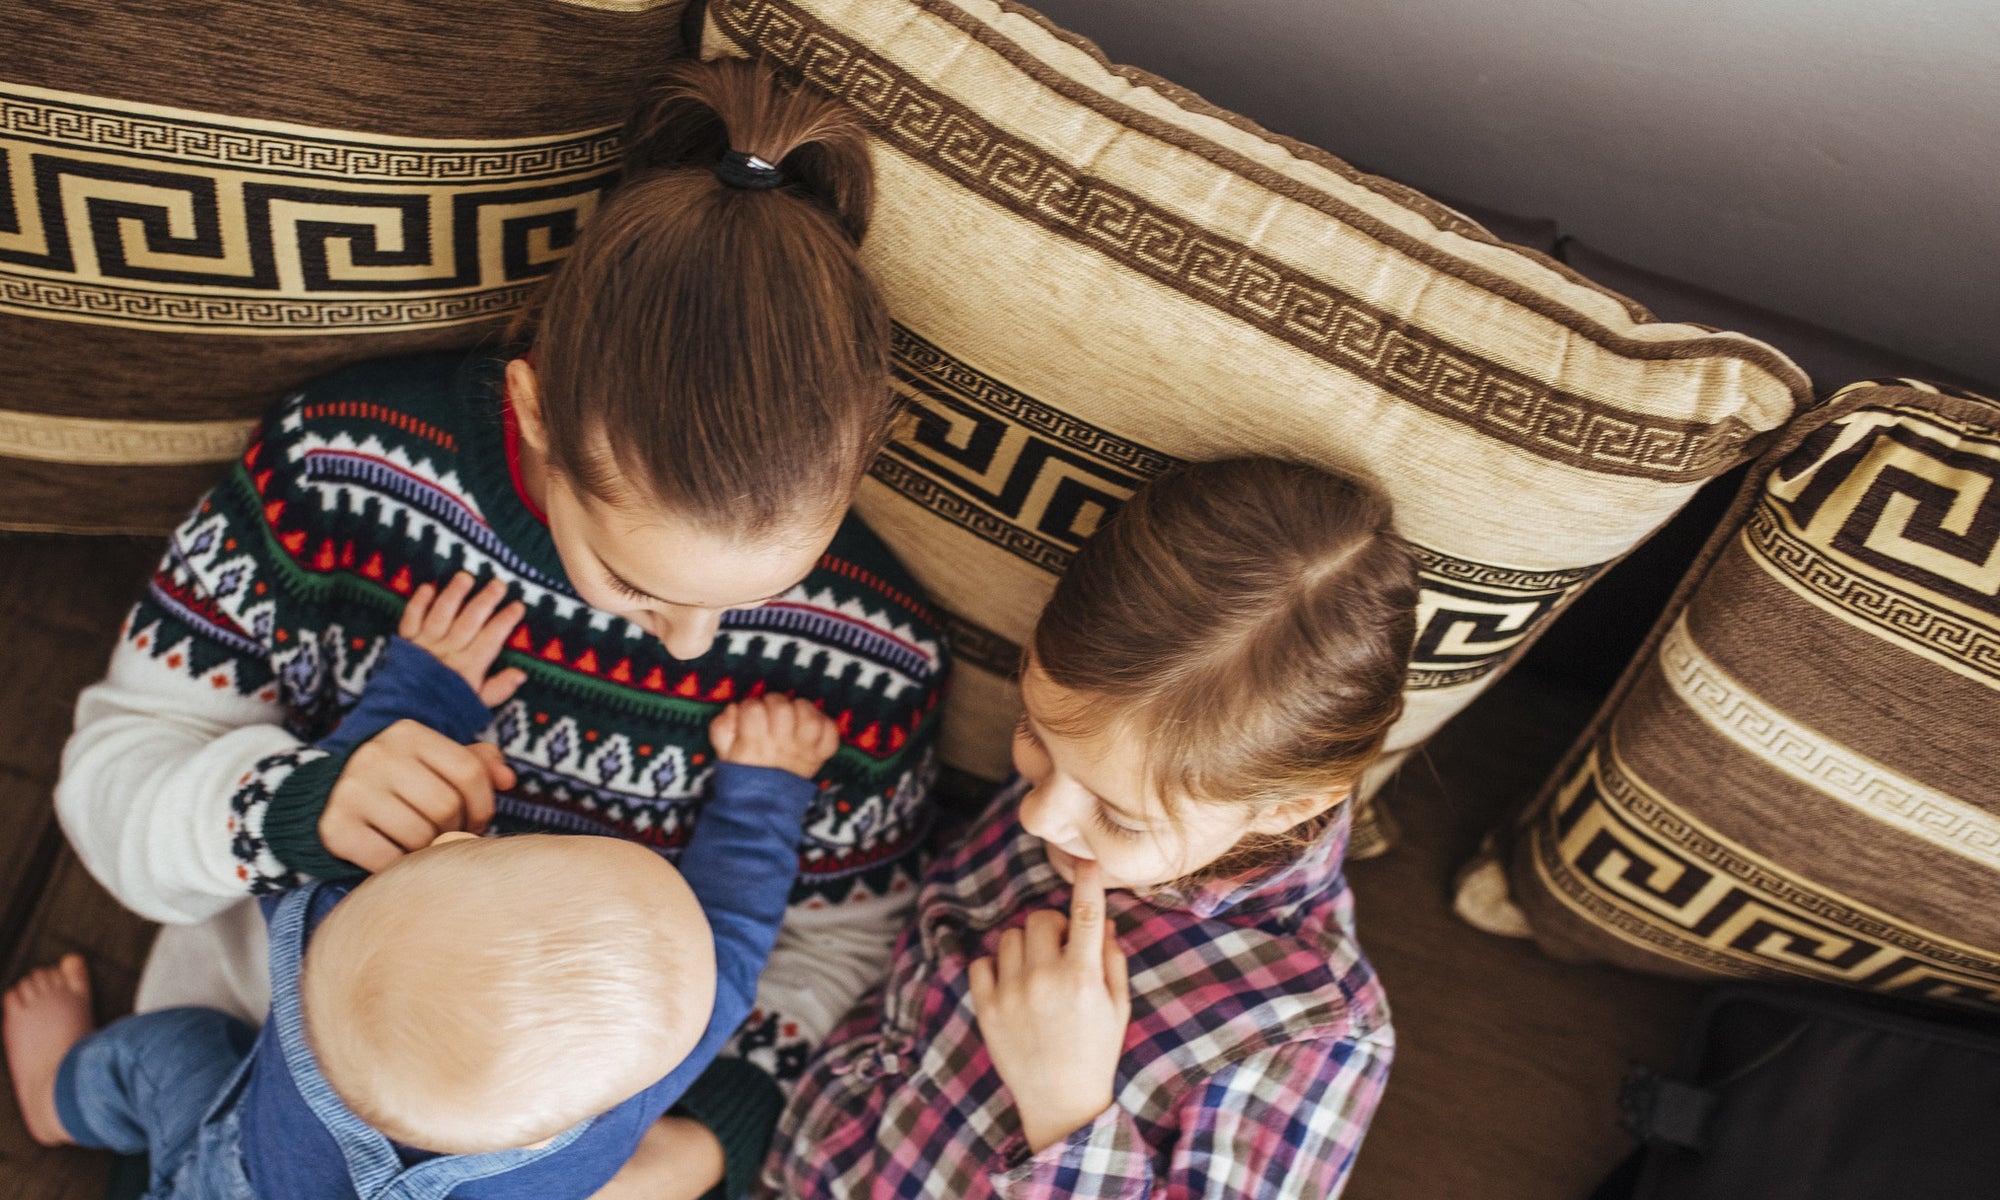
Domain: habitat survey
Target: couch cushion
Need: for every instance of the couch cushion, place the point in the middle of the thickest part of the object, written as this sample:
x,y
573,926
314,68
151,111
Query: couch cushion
x,y
1795,779
1095,275
196,217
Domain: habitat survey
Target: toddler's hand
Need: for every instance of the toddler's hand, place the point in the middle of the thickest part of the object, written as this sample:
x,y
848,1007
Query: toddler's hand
x,y
775,731
467,634
403,787
1054,1014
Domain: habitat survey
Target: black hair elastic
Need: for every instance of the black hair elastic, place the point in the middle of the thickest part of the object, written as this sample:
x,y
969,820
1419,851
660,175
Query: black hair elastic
x,y
747,171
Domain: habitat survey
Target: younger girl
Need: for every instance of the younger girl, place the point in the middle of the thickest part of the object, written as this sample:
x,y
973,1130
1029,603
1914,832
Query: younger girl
x,y
1202,691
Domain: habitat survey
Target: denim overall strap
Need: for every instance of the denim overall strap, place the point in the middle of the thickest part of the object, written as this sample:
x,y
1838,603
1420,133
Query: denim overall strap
x,y
373,1166
371,1159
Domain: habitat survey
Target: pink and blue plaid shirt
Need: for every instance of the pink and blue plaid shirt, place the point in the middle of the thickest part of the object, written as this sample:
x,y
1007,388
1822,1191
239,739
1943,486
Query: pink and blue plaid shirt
x,y
1258,1048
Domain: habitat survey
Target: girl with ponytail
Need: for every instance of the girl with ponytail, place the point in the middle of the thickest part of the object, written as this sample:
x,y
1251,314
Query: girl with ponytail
x,y
642,509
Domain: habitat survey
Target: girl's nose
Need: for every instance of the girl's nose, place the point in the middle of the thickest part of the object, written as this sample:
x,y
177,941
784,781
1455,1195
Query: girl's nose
x,y
1042,814
689,632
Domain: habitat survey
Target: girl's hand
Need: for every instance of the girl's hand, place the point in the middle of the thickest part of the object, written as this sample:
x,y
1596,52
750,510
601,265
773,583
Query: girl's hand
x,y
1054,1013
775,731
466,634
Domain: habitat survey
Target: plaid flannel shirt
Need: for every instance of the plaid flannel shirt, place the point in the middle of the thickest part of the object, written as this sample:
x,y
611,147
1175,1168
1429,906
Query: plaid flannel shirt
x,y
1258,1047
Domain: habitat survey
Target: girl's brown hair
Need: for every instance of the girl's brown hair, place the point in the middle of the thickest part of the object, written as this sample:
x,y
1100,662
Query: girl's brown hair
x,y
718,350
1250,621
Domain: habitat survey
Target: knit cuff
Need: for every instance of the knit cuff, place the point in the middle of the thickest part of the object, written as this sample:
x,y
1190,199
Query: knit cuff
x,y
291,823
739,1103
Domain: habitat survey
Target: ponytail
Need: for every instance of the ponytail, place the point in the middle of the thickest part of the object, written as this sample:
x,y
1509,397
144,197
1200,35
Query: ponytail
x,y
702,110
717,349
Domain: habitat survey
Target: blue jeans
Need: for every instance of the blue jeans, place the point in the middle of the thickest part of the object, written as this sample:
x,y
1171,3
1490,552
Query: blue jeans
x,y
151,1084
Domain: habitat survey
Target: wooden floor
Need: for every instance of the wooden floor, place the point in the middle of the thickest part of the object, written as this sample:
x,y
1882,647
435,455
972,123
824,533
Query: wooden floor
x,y
61,600
1506,1074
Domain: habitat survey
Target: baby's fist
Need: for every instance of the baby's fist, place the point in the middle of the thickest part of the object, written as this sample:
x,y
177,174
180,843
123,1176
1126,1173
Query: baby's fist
x,y
775,731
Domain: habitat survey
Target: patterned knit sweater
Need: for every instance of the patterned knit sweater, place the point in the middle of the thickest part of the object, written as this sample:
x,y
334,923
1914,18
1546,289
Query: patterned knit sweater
x,y
192,780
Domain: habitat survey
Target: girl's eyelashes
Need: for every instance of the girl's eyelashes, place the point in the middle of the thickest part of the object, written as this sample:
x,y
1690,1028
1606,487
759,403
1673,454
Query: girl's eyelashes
x,y
1104,822
1026,731
625,589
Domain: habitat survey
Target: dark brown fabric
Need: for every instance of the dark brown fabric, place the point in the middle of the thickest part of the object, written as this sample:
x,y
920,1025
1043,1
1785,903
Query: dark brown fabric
x,y
1831,848
68,498
182,258
1860,692
416,68
73,369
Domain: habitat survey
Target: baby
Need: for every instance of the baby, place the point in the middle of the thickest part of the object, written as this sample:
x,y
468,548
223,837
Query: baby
x,y
483,1018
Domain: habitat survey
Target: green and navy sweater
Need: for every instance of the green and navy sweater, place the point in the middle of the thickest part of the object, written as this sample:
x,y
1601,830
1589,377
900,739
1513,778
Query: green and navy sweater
x,y
192,778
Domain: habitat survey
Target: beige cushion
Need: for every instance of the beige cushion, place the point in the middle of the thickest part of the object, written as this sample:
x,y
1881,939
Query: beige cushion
x,y
1096,275
1796,779
194,218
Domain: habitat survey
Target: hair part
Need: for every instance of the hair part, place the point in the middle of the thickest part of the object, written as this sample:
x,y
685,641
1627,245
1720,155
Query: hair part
x,y
490,993
716,350
1250,621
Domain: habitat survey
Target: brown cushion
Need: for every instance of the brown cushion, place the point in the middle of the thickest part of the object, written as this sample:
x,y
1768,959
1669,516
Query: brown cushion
x,y
203,205
1795,780
1096,274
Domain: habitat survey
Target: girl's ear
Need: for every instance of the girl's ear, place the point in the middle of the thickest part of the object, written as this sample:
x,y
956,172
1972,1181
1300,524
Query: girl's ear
x,y
1291,812
524,392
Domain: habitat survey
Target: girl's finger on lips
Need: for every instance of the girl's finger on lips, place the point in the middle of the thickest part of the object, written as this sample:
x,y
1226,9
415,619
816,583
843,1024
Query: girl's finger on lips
x,y
414,613
1086,915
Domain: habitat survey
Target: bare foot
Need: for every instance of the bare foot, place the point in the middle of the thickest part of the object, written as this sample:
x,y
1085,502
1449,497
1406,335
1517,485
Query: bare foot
x,y
46,1014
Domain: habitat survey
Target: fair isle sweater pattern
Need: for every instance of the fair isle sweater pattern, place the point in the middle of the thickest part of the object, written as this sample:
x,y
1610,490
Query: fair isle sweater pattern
x,y
286,584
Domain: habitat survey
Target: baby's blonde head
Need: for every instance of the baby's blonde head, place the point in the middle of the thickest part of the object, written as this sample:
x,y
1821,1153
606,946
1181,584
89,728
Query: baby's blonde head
x,y
486,994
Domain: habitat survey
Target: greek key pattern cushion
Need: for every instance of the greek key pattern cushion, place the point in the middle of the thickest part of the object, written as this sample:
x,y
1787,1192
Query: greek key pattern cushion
x,y
1796,779
203,205
1097,275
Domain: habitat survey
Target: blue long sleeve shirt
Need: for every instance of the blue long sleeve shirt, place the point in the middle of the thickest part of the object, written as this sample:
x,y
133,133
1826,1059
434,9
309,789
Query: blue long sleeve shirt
x,y
300,1141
